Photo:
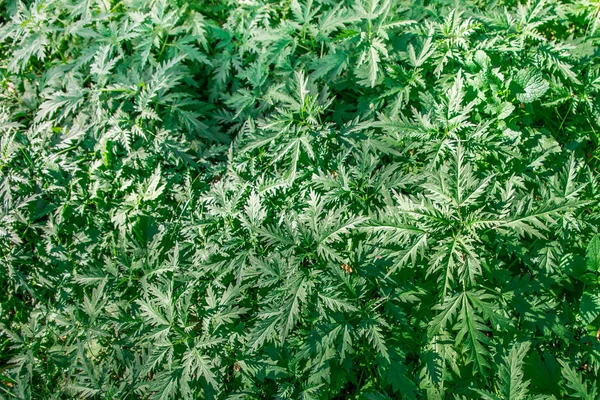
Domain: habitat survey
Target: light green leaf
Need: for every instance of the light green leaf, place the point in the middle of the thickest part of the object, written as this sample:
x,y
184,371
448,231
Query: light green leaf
x,y
592,256
590,307
533,86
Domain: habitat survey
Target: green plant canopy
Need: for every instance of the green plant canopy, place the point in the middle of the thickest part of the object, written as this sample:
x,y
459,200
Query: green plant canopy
x,y
299,199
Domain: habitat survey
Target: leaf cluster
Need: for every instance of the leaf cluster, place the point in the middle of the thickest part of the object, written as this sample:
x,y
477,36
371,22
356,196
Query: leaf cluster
x,y
303,199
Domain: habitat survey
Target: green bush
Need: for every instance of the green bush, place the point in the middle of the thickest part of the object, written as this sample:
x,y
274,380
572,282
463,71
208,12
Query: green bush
x,y
303,199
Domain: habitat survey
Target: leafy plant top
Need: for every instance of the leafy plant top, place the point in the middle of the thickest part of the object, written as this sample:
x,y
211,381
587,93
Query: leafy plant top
x,y
299,199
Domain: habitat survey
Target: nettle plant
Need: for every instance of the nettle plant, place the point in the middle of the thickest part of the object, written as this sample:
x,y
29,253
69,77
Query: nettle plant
x,y
299,199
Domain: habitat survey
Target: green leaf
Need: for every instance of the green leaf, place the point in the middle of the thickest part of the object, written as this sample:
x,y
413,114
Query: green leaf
x,y
532,85
592,256
513,386
590,307
575,385
400,383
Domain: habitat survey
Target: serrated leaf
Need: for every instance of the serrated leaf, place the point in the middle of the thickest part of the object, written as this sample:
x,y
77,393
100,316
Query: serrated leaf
x,y
532,85
589,307
592,255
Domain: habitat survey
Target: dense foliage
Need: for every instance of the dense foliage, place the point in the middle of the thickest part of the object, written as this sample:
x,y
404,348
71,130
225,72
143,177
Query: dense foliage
x,y
303,199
